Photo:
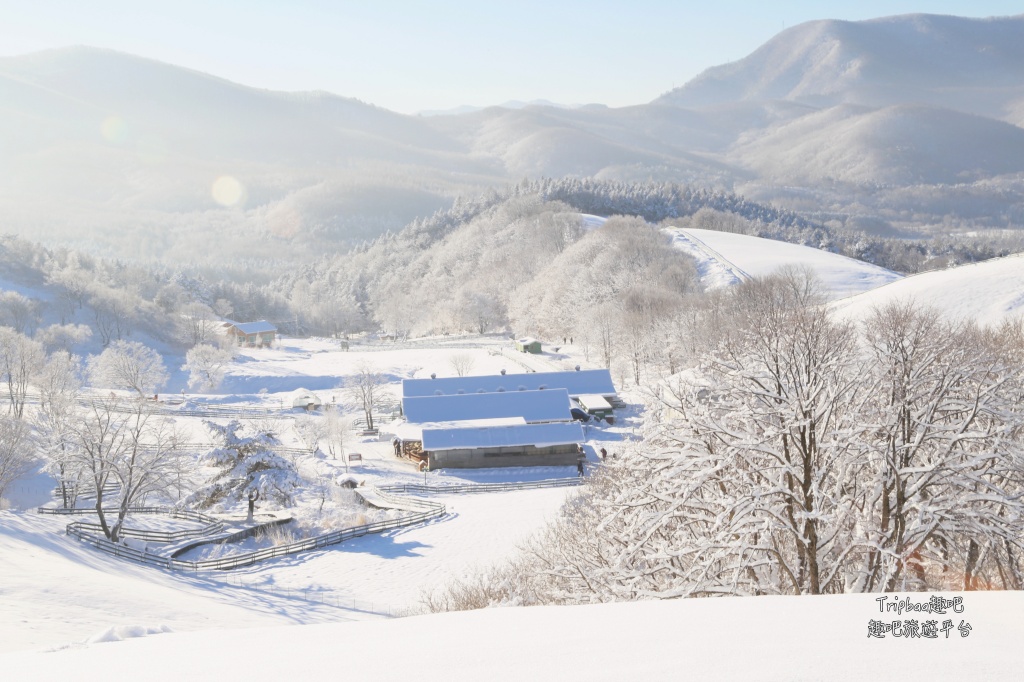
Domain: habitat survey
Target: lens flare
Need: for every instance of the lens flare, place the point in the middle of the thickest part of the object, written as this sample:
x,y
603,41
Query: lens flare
x,y
114,129
227,191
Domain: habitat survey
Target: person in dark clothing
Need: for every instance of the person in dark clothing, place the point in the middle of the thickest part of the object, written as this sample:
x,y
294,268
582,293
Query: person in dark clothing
x,y
579,466
604,454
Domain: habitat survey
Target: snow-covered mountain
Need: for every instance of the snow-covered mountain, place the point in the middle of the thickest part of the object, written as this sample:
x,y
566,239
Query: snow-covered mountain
x,y
869,119
971,65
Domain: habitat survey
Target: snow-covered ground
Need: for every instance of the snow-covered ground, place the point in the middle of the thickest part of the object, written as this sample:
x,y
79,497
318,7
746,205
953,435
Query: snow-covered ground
x,y
756,638
56,592
63,603
987,292
725,258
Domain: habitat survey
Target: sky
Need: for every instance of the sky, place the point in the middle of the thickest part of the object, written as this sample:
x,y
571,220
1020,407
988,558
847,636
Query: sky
x,y
410,56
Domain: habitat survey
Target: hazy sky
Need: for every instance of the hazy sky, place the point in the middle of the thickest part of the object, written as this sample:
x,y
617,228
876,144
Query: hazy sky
x,y
409,56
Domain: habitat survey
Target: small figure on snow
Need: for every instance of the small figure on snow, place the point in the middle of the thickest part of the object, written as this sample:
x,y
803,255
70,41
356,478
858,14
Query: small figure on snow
x,y
580,459
604,454
253,496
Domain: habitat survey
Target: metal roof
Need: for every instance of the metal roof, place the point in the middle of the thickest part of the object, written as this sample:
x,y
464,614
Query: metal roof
x,y
533,406
540,435
587,381
254,327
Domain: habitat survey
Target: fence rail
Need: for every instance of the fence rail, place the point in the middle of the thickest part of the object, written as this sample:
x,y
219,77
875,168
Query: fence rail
x,y
431,510
212,525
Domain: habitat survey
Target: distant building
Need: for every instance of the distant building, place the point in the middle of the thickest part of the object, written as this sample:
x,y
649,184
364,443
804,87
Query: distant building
x,y
253,334
528,345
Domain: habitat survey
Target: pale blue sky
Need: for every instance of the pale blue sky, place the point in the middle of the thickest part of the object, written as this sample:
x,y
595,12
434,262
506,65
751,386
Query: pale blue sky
x,y
409,56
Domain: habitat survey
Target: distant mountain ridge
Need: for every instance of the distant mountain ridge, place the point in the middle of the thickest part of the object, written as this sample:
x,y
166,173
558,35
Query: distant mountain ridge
x,y
848,123
973,65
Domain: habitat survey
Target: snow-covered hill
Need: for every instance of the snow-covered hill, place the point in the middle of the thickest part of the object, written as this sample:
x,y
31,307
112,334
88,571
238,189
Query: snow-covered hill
x,y
987,292
725,258
753,638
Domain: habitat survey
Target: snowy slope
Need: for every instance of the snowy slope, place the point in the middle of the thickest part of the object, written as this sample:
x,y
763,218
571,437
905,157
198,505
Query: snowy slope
x,y
725,258
755,638
987,292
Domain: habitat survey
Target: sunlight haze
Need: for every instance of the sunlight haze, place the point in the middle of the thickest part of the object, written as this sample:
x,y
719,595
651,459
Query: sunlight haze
x,y
410,56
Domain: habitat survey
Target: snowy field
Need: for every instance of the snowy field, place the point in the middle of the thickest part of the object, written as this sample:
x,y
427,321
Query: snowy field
x,y
56,592
757,638
65,608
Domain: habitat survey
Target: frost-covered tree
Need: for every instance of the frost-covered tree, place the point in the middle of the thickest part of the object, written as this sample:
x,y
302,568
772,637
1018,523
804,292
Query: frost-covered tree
x,y
16,457
20,358
366,388
206,366
19,312
128,365
945,472
59,383
57,337
247,465
125,444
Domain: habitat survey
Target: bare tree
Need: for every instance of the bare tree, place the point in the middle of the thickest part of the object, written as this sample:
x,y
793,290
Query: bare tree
x,y
16,458
59,383
462,363
127,446
128,365
196,323
366,388
19,312
336,426
20,358
944,482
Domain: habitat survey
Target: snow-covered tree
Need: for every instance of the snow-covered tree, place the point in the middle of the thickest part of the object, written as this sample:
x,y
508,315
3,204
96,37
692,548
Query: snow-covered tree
x,y
16,458
20,358
62,336
125,443
128,365
206,366
59,382
366,388
247,464
945,473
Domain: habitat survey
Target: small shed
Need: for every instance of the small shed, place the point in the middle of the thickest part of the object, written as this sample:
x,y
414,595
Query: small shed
x,y
306,400
595,405
528,344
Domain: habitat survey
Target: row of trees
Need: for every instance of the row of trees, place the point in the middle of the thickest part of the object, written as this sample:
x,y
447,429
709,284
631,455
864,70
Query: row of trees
x,y
802,455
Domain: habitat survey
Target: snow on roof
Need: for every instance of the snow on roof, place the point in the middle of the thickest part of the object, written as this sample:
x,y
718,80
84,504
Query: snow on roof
x,y
595,402
541,435
409,431
593,381
527,340
533,406
254,327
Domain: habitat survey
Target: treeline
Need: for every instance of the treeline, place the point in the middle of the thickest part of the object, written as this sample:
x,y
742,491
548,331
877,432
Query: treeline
x,y
470,267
